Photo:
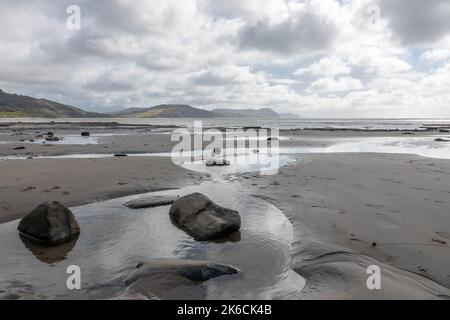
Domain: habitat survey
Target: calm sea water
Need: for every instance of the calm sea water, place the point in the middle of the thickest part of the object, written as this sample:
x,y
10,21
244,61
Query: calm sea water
x,y
293,123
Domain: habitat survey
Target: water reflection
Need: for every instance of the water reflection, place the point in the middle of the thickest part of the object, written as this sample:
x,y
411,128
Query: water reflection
x,y
49,255
115,238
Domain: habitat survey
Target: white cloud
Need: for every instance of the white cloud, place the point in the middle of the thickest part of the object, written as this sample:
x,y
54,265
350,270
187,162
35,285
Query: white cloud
x,y
328,66
332,85
436,55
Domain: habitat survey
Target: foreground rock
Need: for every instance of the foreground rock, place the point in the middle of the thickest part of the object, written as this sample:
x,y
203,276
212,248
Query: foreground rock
x,y
50,223
193,270
150,202
204,219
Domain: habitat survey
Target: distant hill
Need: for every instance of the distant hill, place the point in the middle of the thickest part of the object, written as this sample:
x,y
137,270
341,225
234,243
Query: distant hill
x,y
165,111
288,115
265,113
17,106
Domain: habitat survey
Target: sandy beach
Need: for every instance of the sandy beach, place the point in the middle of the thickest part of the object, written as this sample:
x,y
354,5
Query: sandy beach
x,y
347,210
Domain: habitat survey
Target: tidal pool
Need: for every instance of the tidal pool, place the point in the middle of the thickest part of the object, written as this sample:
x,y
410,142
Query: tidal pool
x,y
114,239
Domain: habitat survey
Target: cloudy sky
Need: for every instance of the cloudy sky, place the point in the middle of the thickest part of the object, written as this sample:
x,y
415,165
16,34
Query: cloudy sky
x,y
315,58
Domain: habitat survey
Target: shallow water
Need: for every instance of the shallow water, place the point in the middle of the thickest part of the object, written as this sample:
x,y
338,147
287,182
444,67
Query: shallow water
x,y
422,146
69,139
114,239
245,159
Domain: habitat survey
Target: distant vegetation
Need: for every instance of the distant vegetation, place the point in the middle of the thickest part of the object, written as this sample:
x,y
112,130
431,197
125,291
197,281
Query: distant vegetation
x,y
166,111
18,106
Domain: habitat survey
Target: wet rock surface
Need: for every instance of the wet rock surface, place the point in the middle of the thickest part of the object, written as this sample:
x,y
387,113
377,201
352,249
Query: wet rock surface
x,y
50,223
202,218
150,202
193,270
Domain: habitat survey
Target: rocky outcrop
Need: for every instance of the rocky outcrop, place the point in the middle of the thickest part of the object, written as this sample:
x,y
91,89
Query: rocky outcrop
x,y
194,270
202,218
50,223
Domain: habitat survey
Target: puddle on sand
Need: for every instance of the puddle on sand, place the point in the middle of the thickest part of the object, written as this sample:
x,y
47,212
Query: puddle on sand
x,y
64,140
114,239
422,146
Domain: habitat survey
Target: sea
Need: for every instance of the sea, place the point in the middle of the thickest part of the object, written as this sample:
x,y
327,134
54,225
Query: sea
x,y
284,123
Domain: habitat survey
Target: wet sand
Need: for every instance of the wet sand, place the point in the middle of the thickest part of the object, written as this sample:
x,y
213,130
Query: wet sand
x,y
348,211
26,183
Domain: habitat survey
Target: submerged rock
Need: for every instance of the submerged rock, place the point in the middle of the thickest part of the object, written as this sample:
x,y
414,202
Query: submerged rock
x,y
217,162
194,270
150,202
50,223
204,219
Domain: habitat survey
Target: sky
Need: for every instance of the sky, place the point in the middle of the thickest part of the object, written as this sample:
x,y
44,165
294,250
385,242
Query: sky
x,y
313,58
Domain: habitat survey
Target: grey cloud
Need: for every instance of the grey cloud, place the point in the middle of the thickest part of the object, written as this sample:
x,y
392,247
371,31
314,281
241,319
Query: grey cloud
x,y
105,84
417,21
230,9
306,34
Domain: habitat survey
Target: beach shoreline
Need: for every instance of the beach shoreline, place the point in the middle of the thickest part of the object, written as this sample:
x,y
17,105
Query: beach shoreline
x,y
348,210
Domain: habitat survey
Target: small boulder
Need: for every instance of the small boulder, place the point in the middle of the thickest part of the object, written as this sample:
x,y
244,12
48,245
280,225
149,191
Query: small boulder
x,y
150,202
441,140
19,148
85,134
52,138
50,223
120,155
202,218
194,270
217,162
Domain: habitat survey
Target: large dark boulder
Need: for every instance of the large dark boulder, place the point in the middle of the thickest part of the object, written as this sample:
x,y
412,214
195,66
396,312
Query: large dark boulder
x,y
50,223
193,270
202,218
